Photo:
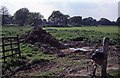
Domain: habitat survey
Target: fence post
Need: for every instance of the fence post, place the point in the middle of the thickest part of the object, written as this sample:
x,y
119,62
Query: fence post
x,y
3,49
105,50
18,43
11,46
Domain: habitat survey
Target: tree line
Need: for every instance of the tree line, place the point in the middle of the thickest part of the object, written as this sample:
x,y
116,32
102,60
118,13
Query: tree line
x,y
24,17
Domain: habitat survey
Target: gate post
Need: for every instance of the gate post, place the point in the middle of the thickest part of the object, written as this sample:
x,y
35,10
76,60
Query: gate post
x,y
105,50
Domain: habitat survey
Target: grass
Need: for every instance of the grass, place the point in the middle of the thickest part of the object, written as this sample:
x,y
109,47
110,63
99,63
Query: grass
x,y
7,31
14,31
116,74
104,29
67,33
83,33
33,53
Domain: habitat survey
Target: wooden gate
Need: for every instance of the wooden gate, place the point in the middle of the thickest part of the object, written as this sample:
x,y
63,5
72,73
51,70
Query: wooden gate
x,y
10,46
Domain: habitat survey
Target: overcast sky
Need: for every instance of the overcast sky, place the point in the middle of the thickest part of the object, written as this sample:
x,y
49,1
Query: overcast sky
x,y
85,8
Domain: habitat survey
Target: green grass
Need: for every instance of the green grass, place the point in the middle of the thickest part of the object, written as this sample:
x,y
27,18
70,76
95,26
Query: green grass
x,y
34,53
14,31
104,29
90,33
116,74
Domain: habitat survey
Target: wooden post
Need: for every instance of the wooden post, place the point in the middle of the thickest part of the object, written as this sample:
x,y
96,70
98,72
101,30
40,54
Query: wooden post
x,y
105,50
3,49
11,46
18,43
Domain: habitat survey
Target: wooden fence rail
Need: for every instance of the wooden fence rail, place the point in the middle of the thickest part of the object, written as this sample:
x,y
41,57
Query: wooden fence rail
x,y
10,47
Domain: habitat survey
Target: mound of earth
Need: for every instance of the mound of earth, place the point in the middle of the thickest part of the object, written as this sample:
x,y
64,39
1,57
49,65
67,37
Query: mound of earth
x,y
43,39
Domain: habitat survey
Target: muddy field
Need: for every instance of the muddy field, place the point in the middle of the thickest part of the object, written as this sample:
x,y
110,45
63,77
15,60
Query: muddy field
x,y
67,59
68,63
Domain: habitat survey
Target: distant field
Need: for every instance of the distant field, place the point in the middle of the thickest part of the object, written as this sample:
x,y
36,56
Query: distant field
x,y
13,31
91,33
105,29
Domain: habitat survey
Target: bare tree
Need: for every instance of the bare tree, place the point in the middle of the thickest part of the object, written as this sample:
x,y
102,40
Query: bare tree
x,y
3,13
4,10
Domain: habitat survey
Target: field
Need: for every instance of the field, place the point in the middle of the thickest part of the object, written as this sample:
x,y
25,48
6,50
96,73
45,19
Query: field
x,y
105,29
90,33
40,64
14,31
68,33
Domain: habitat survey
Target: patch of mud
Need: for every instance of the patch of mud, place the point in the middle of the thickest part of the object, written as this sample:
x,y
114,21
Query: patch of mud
x,y
36,66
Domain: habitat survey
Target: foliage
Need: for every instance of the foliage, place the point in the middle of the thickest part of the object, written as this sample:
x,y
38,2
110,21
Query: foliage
x,y
118,21
58,19
89,21
21,16
34,19
75,21
5,15
104,21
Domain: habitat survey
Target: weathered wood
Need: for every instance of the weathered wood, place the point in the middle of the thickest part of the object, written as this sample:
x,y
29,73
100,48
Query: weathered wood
x,y
3,48
15,49
10,55
10,41
18,45
11,47
105,50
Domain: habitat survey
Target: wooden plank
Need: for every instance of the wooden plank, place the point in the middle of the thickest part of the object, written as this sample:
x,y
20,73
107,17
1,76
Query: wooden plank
x,y
11,55
10,43
11,49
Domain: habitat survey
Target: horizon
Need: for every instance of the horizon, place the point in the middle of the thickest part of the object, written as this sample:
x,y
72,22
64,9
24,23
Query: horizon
x,y
87,8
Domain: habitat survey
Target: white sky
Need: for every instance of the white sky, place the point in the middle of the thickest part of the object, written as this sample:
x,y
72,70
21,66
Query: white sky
x,y
85,8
